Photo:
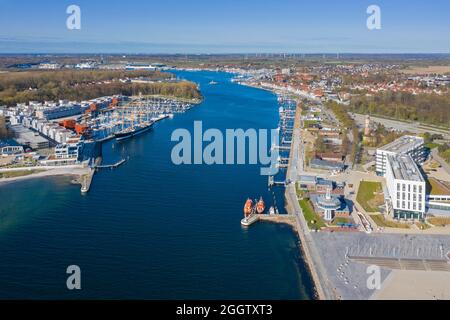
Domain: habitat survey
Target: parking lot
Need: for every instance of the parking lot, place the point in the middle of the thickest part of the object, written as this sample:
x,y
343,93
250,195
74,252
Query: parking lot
x,y
349,277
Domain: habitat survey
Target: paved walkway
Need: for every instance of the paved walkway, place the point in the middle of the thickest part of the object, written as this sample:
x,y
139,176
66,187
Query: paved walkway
x,y
323,285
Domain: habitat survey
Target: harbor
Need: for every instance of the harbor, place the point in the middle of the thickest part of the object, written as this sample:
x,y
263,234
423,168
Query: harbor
x,y
119,118
130,118
150,215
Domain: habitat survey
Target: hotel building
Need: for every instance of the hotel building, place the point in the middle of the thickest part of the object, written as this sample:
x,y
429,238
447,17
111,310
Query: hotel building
x,y
406,145
406,187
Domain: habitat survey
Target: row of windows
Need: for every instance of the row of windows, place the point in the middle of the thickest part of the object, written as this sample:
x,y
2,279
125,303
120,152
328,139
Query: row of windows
x,y
415,196
415,206
403,188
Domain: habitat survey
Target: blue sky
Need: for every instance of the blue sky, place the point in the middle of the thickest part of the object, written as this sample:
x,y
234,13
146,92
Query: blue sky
x,y
225,26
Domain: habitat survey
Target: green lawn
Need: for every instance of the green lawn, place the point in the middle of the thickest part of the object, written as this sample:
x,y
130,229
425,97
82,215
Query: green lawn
x,y
341,220
382,222
313,219
309,123
439,222
437,188
369,195
432,145
300,193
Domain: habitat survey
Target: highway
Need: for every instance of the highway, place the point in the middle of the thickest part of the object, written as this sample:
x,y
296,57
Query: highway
x,y
400,125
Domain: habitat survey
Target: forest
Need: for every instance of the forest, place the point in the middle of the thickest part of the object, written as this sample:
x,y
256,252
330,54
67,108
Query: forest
x,y
347,123
22,87
425,108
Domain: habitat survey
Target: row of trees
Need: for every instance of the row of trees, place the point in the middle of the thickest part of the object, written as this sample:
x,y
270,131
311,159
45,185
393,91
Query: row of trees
x,y
426,108
347,123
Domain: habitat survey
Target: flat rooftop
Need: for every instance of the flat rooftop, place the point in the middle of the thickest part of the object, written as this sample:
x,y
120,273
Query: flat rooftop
x,y
25,135
403,144
404,168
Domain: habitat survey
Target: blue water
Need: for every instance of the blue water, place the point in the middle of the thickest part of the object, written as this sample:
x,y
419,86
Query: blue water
x,y
153,230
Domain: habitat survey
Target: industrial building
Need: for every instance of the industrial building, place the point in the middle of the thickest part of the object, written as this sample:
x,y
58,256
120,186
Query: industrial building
x,y
406,145
132,67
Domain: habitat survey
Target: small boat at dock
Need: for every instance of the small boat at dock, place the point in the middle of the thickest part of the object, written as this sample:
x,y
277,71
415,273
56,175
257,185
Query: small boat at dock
x,y
252,210
260,206
248,207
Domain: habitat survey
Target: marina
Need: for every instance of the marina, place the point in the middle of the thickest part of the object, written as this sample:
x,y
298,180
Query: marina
x,y
131,118
287,109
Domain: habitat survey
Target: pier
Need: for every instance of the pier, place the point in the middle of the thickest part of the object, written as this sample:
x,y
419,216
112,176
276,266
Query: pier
x,y
111,166
86,181
281,148
272,182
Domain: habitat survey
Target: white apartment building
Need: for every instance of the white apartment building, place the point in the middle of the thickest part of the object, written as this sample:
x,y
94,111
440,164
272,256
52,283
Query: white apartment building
x,y
406,186
406,145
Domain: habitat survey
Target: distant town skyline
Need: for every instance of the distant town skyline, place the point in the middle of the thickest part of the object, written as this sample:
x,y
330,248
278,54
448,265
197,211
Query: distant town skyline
x,y
200,26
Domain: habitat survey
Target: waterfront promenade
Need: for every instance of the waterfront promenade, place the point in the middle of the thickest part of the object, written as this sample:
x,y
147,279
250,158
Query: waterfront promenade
x,y
323,286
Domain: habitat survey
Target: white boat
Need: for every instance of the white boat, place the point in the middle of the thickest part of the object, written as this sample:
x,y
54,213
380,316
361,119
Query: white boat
x,y
212,82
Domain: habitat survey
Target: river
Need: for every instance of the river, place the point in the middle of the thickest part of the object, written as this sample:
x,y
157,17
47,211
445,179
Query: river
x,y
151,229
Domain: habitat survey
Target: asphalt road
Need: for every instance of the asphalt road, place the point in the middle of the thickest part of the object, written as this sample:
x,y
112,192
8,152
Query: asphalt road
x,y
400,125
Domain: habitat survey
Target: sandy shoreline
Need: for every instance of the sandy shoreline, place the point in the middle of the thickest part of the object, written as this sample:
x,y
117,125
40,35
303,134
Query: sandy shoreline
x,y
47,173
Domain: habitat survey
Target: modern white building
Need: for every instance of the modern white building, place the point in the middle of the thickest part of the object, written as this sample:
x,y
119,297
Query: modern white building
x,y
10,150
56,112
406,145
67,151
65,154
406,187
